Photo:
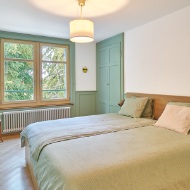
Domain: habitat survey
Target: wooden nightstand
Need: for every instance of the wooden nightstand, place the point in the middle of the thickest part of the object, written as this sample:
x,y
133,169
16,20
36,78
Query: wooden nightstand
x,y
1,138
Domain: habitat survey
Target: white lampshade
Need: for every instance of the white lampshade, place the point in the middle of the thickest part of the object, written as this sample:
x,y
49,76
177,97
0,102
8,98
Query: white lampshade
x,y
81,31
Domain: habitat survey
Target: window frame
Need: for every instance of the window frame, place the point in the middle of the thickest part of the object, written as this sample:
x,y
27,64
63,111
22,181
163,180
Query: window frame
x,y
2,70
38,100
67,71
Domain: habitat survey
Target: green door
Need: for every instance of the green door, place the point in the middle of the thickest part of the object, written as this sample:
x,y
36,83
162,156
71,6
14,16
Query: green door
x,y
102,81
109,76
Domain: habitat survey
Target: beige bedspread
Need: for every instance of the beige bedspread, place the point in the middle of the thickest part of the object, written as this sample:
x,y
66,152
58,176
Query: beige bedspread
x,y
146,158
41,134
93,156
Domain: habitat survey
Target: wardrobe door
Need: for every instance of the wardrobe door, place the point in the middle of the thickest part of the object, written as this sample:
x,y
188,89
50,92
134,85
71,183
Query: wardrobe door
x,y
109,75
102,81
114,77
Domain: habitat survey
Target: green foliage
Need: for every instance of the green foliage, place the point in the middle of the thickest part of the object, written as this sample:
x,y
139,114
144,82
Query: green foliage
x,y
19,51
50,53
54,80
19,73
53,74
18,80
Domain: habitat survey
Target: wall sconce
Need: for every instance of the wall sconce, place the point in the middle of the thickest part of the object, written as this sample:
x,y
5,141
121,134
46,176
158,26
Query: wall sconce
x,y
85,69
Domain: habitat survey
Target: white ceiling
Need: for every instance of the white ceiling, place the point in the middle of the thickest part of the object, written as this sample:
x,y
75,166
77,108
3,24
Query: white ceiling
x,y
52,17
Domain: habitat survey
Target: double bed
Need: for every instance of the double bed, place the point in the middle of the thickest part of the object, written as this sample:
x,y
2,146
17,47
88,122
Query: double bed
x,y
108,151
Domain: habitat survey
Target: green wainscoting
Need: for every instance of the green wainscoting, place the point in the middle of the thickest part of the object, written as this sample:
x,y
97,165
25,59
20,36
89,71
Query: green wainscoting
x,y
85,103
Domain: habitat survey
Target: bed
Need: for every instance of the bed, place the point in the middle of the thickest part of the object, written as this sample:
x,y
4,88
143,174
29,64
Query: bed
x,y
109,151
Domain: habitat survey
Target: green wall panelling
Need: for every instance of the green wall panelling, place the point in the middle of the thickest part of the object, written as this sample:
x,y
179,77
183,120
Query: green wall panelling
x,y
85,103
36,38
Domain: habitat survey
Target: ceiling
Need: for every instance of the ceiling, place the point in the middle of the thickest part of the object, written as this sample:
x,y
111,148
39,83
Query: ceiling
x,y
110,17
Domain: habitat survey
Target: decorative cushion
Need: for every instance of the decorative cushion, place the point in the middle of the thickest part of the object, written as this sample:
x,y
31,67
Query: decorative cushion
x,y
133,107
148,111
176,118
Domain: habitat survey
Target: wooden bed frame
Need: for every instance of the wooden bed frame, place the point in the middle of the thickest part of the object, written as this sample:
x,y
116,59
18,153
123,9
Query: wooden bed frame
x,y
160,102
29,165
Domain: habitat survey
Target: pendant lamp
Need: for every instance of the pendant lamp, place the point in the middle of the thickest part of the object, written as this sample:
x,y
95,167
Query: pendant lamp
x,y
81,30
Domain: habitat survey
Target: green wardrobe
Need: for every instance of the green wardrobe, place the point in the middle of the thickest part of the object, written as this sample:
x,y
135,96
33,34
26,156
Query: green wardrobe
x,y
110,87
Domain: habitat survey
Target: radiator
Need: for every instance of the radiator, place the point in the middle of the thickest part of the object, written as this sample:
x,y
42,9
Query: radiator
x,y
17,120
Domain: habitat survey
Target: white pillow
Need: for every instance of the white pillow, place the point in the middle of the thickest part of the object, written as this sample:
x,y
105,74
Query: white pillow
x,y
176,118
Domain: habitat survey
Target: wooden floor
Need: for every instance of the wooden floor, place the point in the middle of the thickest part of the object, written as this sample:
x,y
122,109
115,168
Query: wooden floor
x,y
14,174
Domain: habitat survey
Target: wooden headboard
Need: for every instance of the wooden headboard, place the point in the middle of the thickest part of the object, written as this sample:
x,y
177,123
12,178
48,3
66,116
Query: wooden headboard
x,y
160,101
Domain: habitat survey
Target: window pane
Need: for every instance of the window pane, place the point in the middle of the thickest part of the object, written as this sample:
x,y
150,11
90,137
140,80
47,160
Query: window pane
x,y
18,51
50,53
18,81
54,81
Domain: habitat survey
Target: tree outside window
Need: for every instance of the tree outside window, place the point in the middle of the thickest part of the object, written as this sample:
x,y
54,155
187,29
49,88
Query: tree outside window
x,y
34,73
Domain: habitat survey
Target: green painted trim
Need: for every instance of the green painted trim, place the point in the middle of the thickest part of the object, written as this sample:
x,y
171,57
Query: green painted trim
x,y
85,103
36,38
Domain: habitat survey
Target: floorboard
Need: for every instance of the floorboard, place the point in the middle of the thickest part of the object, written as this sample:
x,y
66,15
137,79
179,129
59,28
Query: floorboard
x,y
14,174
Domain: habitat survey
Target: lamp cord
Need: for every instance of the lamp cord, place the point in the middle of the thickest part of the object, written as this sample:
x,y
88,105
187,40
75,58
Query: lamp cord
x,y
81,12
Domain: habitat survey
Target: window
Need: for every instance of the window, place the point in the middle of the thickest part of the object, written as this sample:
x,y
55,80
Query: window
x,y
54,67
34,73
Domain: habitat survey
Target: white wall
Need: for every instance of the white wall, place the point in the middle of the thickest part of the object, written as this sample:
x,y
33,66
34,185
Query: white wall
x,y
85,55
157,56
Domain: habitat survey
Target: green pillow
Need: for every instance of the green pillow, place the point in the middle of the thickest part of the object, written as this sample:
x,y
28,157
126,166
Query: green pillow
x,y
133,107
149,109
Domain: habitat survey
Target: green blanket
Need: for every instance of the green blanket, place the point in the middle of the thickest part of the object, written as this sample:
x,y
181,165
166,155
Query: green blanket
x,y
146,158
